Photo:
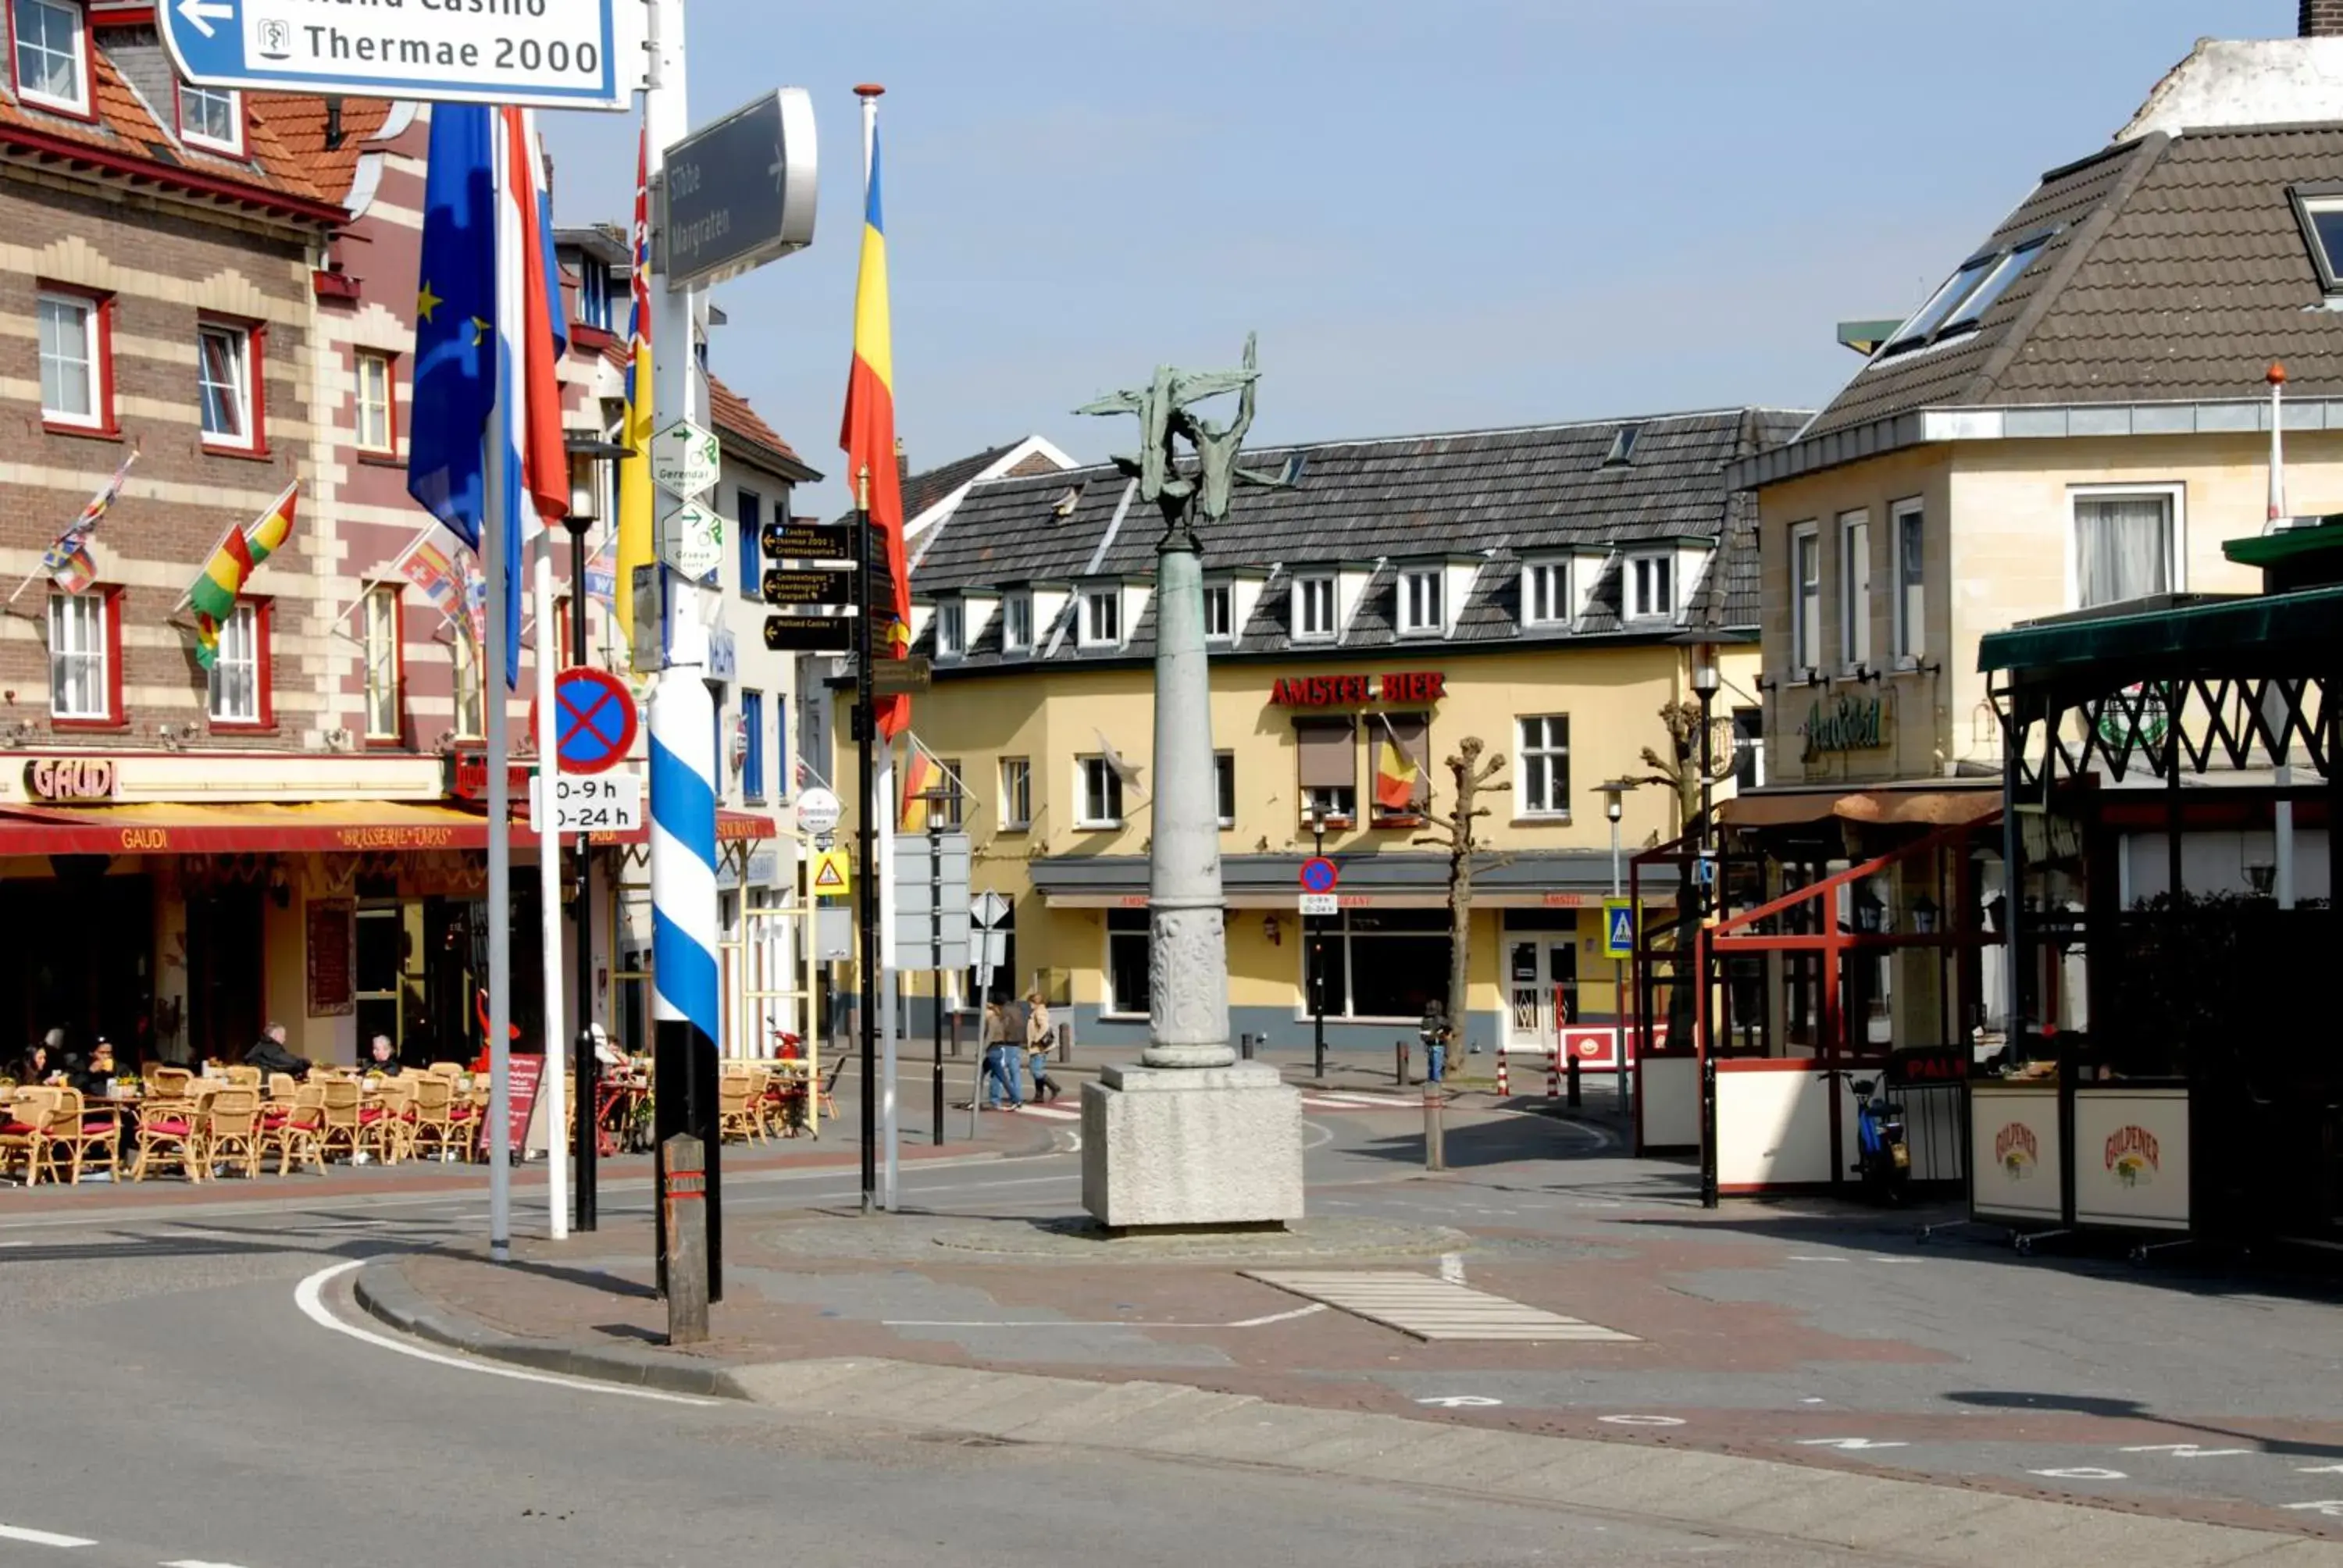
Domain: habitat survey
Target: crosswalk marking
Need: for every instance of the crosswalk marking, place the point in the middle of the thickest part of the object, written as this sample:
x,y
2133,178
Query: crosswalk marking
x,y
1430,1308
1310,1101
41,1537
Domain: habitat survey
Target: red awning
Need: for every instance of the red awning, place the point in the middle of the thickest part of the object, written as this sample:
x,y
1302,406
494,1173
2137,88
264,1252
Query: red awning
x,y
351,827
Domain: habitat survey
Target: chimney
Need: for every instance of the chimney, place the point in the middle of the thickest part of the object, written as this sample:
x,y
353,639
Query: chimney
x,y
903,461
2320,18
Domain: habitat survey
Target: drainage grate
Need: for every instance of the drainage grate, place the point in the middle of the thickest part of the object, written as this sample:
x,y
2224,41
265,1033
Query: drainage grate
x,y
1432,1309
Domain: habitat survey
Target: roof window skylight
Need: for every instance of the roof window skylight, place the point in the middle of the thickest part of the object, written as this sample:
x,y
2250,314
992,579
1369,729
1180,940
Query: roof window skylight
x,y
1931,316
2321,214
1959,306
2004,272
1623,445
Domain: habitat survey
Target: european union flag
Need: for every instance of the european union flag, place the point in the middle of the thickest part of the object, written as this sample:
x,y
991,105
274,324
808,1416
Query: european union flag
x,y
455,322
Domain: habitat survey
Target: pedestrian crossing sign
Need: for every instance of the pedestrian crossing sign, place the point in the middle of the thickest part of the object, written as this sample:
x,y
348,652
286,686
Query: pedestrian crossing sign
x,y
833,874
1618,929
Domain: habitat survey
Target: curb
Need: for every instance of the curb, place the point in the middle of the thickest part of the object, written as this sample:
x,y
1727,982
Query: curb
x,y
385,1294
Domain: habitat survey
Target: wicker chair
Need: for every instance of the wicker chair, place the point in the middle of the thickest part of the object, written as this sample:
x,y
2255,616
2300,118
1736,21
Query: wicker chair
x,y
231,1134
737,1112
24,1130
281,1088
80,1138
340,1100
440,1125
169,1126
294,1131
386,1127
242,1077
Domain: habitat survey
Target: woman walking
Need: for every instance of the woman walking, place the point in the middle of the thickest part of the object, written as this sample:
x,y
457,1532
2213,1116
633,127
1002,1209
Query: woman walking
x,y
1038,1040
1001,1079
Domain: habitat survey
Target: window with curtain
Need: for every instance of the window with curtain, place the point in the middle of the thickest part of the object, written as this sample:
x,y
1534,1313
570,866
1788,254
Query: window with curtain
x,y
1326,762
1016,793
1806,598
382,663
464,655
72,375
2122,548
50,53
236,671
80,644
376,415
1542,774
1854,587
1911,580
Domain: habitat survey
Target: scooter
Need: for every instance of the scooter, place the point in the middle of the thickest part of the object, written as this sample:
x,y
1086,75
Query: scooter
x,y
1882,1160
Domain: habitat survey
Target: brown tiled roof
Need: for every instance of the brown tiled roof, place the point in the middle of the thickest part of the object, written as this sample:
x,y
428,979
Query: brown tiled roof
x,y
921,491
736,419
2180,274
296,124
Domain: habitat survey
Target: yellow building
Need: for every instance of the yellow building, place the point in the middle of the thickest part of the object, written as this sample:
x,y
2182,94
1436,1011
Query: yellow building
x,y
1529,587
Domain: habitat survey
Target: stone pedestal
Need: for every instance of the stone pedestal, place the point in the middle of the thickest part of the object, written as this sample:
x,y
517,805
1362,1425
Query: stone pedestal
x,y
1191,1146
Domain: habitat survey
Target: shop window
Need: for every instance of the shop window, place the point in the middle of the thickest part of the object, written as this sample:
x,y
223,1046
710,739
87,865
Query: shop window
x,y
1380,965
76,374
1126,964
1016,793
52,55
84,657
1542,775
377,404
1326,763
1100,790
385,659
239,675
227,374
1400,745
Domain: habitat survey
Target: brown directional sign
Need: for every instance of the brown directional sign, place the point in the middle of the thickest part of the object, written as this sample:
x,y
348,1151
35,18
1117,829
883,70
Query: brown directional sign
x,y
897,677
815,587
802,539
809,633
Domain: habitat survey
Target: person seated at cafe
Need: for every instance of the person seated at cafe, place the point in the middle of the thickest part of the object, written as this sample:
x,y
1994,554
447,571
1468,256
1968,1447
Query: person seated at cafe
x,y
607,1051
270,1054
44,1061
96,1078
381,1056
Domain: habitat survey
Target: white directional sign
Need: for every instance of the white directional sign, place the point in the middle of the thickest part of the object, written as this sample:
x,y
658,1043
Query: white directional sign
x,y
686,459
553,53
691,541
589,802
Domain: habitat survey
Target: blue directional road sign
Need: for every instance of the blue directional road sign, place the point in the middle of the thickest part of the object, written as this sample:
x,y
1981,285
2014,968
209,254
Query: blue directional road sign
x,y
549,53
738,193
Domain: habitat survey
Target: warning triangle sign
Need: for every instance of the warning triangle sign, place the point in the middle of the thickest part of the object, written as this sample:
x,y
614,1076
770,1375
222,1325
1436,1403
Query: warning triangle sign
x,y
833,873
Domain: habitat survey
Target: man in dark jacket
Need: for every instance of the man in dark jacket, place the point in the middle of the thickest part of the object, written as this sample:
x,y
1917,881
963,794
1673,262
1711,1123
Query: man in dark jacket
x,y
270,1055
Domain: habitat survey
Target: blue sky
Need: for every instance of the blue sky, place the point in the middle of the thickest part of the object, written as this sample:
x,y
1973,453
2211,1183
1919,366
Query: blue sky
x,y
1437,216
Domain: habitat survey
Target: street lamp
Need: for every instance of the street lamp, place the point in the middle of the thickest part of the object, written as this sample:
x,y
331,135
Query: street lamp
x,y
1702,643
590,462
1318,946
1614,806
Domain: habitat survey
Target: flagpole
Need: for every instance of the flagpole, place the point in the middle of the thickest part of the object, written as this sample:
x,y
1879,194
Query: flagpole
x,y
884,872
2282,774
549,894
866,833
496,702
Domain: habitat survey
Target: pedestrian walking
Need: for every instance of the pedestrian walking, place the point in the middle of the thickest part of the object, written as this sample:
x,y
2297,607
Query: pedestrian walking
x,y
1002,1082
1038,1040
1435,1034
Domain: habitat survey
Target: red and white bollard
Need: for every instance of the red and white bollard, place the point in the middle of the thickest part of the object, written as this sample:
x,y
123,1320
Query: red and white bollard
x,y
1504,1085
1554,1073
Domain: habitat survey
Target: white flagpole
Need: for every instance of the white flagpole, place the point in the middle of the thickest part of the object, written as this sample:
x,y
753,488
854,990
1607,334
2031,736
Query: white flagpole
x,y
2282,812
884,788
496,701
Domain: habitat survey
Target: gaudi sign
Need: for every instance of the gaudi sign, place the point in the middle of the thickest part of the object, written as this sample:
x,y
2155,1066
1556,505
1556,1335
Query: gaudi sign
x,y
69,778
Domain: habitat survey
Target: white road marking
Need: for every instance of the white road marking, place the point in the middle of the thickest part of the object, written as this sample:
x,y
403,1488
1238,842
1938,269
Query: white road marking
x,y
2319,1470
1433,1310
1100,1323
41,1537
1451,1267
1642,1419
1847,1445
2184,1450
2082,1472
196,1562
1462,1401
2332,1507
310,1296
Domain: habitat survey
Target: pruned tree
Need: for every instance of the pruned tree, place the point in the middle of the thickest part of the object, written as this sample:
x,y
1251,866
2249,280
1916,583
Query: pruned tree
x,y
1454,831
1680,771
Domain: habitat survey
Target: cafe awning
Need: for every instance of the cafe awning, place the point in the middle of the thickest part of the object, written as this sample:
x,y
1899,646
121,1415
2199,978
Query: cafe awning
x,y
1933,808
349,826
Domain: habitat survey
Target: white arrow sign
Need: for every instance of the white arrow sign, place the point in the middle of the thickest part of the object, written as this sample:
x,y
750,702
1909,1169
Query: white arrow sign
x,y
684,459
202,13
691,541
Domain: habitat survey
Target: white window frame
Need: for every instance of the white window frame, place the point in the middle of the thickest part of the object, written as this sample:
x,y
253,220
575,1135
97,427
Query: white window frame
x,y
1806,599
951,628
233,143
2175,491
1644,569
1091,634
1096,771
1017,623
239,650
93,342
1016,794
470,716
78,21
1341,801
1224,596
81,639
244,370
1910,597
1423,602
385,444
1854,587
1554,577
384,663
1315,591
1544,810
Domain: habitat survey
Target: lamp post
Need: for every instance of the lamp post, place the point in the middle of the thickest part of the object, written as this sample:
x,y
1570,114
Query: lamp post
x,y
1705,678
1318,948
1614,806
590,462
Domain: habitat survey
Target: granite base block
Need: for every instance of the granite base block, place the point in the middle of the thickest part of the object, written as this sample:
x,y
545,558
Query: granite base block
x,y
1191,1146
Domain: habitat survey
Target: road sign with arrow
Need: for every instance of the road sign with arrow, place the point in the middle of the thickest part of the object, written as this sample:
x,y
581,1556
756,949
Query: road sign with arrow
x,y
738,193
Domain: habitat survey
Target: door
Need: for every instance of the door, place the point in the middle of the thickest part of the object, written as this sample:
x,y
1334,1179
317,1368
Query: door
x,y
224,972
1542,987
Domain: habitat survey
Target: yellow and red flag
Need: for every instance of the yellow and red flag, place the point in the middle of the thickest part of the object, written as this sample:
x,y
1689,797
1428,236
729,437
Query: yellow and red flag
x,y
1396,776
214,593
913,816
635,489
868,434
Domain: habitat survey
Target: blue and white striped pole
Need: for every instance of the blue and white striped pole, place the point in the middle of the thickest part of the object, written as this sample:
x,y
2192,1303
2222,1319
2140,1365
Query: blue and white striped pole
x,y
683,853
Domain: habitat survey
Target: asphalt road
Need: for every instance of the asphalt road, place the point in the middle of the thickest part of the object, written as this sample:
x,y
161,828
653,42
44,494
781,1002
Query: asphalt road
x,y
171,1404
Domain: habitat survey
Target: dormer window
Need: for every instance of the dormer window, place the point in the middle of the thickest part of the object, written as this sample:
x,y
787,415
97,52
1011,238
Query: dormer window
x,y
2319,209
1546,593
1017,623
1220,612
1102,618
951,628
1419,600
1313,609
1651,587
1623,447
212,118
52,56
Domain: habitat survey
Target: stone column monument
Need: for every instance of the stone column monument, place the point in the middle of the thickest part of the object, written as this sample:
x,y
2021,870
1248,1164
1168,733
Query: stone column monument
x,y
1191,1137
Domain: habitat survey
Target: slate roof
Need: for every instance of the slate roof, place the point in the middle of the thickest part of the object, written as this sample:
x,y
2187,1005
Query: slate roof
x,y
2178,274
1495,494
921,491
